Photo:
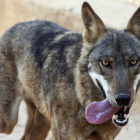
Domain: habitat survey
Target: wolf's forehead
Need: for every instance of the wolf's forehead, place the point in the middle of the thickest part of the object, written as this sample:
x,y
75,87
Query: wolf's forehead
x,y
117,43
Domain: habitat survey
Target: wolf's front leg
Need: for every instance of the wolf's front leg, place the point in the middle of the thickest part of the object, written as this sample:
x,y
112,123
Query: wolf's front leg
x,y
107,130
37,126
74,127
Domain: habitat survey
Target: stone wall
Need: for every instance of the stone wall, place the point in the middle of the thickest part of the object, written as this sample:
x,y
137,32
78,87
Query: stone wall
x,y
14,11
66,13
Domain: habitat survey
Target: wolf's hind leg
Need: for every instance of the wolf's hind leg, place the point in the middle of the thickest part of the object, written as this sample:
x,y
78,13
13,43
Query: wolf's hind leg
x,y
37,126
9,95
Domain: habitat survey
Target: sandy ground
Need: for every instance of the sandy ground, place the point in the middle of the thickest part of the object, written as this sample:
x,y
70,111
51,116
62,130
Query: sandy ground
x,y
113,13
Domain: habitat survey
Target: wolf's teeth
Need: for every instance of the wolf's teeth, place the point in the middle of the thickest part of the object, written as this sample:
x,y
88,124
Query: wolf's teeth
x,y
126,116
115,117
118,121
121,121
124,120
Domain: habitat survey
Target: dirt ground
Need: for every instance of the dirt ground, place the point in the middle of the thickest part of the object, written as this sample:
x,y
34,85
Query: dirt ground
x,y
14,11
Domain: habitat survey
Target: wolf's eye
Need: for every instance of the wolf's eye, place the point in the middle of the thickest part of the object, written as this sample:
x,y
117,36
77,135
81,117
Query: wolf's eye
x,y
133,62
105,63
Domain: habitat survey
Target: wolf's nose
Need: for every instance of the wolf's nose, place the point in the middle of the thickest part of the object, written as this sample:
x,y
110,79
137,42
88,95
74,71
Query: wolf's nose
x,y
123,100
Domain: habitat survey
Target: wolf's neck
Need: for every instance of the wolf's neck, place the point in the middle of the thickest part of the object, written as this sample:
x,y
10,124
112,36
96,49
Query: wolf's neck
x,y
86,90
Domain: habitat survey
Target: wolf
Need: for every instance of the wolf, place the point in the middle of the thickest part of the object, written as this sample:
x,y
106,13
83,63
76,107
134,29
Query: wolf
x,y
78,86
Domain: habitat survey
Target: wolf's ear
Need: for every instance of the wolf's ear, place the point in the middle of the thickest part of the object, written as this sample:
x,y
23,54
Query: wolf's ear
x,y
94,27
134,24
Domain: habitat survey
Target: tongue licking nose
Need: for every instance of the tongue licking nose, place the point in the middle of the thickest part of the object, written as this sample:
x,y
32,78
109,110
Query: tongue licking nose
x,y
99,112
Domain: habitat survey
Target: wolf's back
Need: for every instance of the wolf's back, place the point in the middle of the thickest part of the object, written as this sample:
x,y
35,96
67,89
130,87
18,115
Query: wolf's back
x,y
41,38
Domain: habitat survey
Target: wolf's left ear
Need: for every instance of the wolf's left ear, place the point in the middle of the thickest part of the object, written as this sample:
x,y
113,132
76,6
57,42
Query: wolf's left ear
x,y
94,27
134,24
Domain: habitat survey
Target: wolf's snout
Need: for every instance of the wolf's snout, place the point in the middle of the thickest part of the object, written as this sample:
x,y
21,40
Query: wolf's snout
x,y
123,100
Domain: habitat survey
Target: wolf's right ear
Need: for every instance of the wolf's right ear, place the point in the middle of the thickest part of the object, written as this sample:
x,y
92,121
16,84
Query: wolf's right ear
x,y
94,27
134,24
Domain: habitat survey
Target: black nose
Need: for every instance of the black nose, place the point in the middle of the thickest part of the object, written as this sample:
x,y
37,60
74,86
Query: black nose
x,y
123,100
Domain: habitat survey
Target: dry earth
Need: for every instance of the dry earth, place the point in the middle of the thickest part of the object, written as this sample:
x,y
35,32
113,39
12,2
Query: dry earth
x,y
67,13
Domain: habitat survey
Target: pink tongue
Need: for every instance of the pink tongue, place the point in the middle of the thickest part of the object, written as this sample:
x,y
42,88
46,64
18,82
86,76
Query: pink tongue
x,y
99,112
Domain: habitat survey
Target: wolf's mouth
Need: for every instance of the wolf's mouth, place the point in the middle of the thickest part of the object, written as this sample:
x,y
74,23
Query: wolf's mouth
x,y
121,117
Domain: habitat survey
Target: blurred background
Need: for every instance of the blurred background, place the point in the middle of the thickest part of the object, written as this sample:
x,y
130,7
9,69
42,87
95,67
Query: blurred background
x,y
67,13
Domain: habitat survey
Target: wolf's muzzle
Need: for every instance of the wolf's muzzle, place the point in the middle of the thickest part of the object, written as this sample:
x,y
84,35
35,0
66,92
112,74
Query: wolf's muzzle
x,y
123,100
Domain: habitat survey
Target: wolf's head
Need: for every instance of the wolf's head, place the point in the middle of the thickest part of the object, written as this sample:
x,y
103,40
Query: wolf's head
x,y
113,60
